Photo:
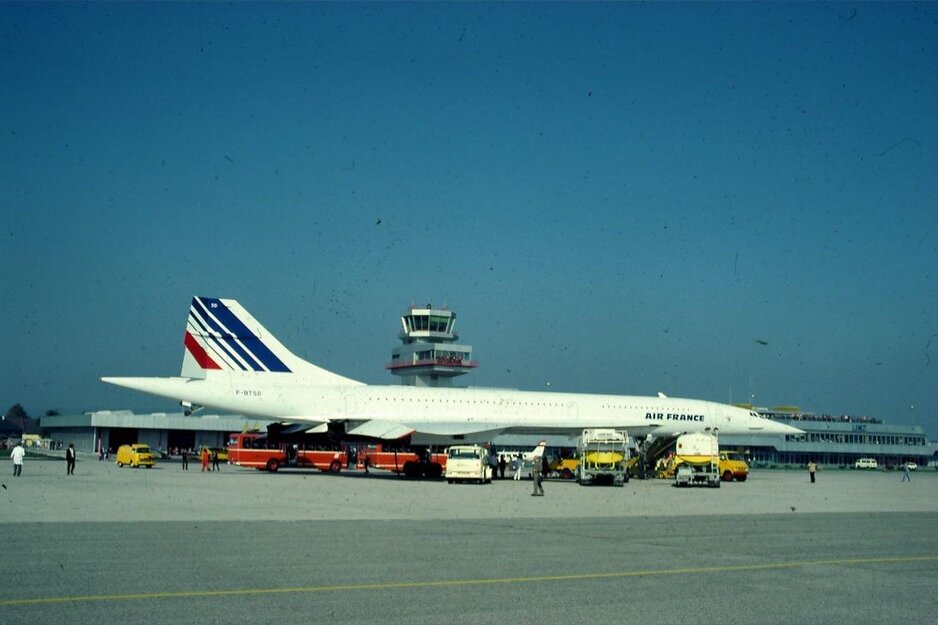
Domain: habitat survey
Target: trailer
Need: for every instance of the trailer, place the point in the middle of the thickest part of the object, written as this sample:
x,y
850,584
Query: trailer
x,y
604,456
696,460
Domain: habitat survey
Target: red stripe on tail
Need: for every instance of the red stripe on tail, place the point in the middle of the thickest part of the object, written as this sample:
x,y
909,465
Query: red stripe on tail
x,y
201,356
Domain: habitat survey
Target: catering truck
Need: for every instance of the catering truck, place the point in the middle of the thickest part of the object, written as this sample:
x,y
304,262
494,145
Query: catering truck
x,y
604,456
697,460
468,463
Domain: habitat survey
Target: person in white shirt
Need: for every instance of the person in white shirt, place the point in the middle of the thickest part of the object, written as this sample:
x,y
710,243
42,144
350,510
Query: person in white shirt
x,y
17,455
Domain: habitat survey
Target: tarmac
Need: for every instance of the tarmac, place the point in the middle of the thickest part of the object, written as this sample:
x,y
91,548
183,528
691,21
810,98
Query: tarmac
x,y
118,545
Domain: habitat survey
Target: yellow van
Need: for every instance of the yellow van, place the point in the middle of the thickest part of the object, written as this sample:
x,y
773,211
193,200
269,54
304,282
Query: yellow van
x,y
135,456
733,467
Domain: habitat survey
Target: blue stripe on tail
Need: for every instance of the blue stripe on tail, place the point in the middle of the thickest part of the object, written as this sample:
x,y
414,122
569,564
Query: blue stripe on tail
x,y
254,351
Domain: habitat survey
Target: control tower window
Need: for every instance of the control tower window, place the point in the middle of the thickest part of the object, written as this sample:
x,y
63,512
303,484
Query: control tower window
x,y
438,323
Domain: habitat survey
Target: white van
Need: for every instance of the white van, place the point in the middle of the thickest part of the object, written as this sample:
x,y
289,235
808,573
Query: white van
x,y
865,463
468,463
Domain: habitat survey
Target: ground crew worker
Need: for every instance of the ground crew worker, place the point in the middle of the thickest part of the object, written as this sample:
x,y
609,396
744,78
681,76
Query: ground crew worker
x,y
537,474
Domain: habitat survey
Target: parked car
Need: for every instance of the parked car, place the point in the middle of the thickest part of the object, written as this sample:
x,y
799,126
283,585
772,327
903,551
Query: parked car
x,y
866,463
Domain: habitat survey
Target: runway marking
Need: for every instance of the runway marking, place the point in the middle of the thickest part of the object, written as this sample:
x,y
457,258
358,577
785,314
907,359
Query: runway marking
x,y
188,594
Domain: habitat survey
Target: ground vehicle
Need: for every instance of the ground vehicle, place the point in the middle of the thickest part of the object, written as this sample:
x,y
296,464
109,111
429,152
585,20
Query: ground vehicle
x,y
733,466
865,463
697,458
405,460
911,466
566,467
603,455
258,451
135,455
468,463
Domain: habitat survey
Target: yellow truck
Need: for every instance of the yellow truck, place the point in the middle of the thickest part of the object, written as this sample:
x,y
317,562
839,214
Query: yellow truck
x,y
135,455
733,466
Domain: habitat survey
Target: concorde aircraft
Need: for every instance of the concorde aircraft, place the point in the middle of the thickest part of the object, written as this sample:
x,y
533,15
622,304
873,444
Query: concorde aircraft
x,y
231,362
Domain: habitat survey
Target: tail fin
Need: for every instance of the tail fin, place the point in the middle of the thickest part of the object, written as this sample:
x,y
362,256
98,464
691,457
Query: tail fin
x,y
222,335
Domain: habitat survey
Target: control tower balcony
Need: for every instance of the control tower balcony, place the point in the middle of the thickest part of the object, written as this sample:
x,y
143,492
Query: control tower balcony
x,y
432,364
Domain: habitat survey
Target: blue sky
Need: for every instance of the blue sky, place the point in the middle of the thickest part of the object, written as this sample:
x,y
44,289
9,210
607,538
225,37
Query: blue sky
x,y
615,198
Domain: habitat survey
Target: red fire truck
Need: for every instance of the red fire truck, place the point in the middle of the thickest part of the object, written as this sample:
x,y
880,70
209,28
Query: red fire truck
x,y
258,451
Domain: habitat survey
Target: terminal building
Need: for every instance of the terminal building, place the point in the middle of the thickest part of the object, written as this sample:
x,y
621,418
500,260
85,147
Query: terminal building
x,y
836,441
92,432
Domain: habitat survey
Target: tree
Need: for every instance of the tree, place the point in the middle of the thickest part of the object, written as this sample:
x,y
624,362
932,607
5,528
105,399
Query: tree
x,y
17,416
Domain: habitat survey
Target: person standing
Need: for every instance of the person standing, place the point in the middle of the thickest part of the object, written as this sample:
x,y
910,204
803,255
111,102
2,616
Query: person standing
x,y
70,459
537,474
812,469
502,463
214,460
204,458
906,477
518,466
185,459
17,456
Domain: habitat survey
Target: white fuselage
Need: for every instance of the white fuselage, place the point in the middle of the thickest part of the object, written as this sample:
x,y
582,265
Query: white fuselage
x,y
291,397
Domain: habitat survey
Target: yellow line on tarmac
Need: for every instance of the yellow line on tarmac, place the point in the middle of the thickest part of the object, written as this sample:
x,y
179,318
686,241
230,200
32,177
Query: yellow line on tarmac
x,y
186,594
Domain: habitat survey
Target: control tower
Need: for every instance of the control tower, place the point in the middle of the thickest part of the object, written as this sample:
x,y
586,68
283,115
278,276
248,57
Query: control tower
x,y
429,355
